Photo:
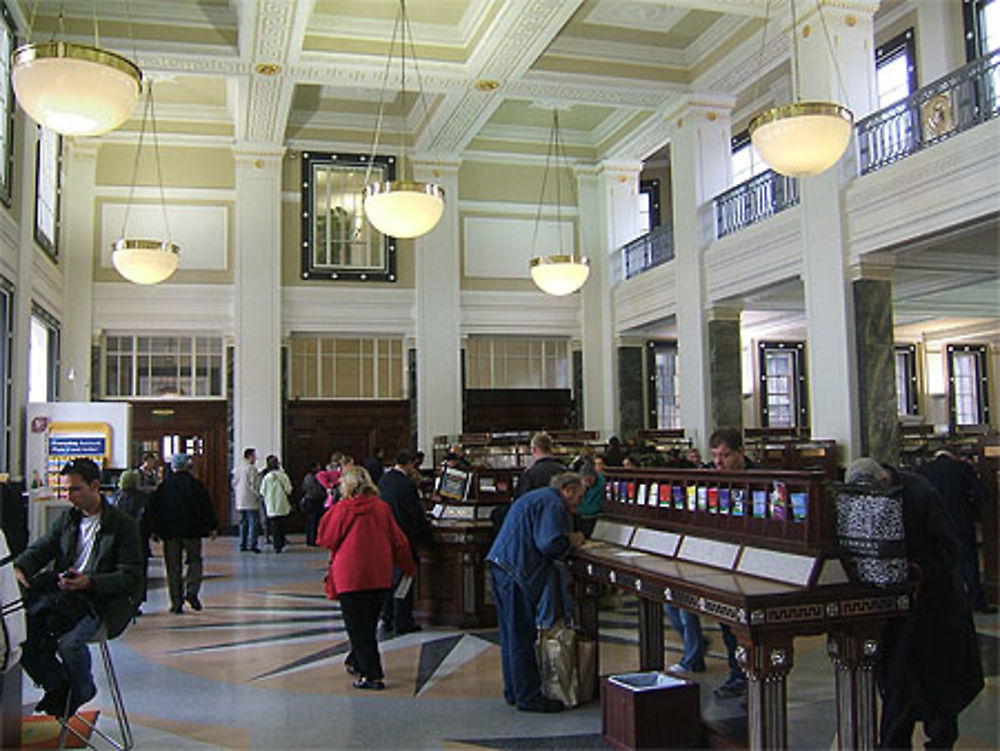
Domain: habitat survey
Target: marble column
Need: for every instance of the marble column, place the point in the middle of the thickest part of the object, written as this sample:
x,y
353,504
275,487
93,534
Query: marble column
x,y
879,421
725,370
439,314
701,164
257,380
631,386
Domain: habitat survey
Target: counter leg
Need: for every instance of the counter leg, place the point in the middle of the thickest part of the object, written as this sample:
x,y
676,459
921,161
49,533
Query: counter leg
x,y
650,634
588,595
767,663
854,654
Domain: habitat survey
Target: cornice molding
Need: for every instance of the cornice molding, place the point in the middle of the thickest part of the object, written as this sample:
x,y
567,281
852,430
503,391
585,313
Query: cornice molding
x,y
361,311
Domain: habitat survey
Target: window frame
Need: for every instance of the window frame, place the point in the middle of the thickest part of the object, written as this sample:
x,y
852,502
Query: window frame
x,y
7,27
49,245
7,313
972,18
54,328
905,44
910,397
191,340
981,353
651,188
740,141
321,358
800,401
553,363
309,270
653,415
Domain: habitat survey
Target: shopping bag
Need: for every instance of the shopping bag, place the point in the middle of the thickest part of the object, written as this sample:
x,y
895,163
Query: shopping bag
x,y
557,663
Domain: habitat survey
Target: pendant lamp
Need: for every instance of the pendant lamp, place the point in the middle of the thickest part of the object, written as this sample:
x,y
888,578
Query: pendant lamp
x,y
401,207
804,138
74,89
143,260
560,273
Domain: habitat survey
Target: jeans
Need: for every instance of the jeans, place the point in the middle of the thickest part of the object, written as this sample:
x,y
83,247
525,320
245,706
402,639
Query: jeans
x,y
178,585
68,665
249,528
360,611
729,638
688,625
547,605
522,683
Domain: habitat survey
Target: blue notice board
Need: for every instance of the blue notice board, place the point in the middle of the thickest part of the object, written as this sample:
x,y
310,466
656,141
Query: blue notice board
x,y
68,445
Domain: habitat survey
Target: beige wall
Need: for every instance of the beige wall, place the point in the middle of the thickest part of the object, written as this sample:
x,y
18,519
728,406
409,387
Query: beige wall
x,y
183,167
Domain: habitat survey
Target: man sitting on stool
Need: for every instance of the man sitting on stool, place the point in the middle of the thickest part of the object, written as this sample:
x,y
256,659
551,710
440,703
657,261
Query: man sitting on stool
x,y
98,559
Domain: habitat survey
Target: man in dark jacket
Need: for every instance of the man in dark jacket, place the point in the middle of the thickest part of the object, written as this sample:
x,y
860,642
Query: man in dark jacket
x,y
181,513
930,667
542,468
397,489
964,497
97,582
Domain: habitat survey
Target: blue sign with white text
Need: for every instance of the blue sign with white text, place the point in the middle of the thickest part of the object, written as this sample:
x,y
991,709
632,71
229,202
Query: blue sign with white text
x,y
64,445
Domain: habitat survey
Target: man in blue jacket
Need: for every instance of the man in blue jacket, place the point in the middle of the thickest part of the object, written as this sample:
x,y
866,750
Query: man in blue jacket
x,y
534,534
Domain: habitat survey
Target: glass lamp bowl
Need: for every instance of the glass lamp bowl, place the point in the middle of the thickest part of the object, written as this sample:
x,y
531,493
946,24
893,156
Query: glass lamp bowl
x,y
804,138
74,89
404,208
145,261
559,274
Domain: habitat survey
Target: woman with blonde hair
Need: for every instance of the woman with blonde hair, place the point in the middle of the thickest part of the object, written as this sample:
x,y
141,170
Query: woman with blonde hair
x,y
365,543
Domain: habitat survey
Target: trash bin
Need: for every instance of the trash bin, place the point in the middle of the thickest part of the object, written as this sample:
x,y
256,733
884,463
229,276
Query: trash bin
x,y
650,710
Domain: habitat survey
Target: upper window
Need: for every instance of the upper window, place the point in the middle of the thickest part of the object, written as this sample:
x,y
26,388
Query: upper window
x,y
337,241
163,367
896,69
7,45
515,363
43,356
661,360
6,357
327,367
783,385
48,184
968,387
906,380
747,162
982,27
649,205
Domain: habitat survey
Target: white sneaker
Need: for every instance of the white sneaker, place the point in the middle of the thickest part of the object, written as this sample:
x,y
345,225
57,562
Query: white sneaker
x,y
677,668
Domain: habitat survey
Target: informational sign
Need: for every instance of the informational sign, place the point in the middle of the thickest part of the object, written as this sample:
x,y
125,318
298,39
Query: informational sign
x,y
66,445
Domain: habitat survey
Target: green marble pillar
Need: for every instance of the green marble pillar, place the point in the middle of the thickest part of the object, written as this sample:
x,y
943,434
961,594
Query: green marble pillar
x,y
879,421
630,391
725,378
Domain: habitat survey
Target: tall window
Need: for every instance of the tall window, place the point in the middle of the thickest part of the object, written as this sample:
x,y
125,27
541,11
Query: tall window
x,y
906,380
968,387
661,362
896,69
783,385
7,46
982,27
43,356
517,363
649,205
163,367
326,367
6,357
47,188
747,162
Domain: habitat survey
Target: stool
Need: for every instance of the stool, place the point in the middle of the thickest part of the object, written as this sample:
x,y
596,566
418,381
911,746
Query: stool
x,y
125,730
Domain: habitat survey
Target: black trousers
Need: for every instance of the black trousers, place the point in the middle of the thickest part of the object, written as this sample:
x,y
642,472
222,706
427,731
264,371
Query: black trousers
x,y
360,611
397,612
276,529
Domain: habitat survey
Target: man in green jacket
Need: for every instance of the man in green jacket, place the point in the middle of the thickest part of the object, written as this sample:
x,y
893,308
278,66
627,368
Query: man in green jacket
x,y
97,582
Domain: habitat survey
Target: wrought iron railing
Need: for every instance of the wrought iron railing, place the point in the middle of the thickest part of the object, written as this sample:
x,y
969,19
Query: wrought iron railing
x,y
648,251
956,102
756,199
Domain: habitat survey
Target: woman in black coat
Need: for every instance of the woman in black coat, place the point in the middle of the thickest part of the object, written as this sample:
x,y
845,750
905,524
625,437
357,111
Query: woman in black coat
x,y
313,502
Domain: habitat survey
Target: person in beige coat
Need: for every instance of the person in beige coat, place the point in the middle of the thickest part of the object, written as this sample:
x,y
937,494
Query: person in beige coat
x,y
276,489
246,489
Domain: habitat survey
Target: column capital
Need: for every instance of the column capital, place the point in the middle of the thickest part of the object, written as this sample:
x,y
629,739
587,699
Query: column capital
x,y
723,313
844,8
616,168
435,167
690,108
257,156
873,266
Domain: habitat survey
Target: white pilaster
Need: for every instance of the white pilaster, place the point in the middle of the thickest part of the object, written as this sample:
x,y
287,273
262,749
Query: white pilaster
x,y
439,313
79,172
608,198
257,271
830,351
939,40
701,168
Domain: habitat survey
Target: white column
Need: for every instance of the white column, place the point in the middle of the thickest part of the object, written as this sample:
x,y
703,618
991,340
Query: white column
x,y
257,272
439,313
830,349
701,168
939,40
608,202
80,169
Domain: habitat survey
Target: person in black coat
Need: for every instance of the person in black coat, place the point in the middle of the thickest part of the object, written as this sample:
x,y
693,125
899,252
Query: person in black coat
x,y
930,668
313,502
397,489
543,466
964,497
375,465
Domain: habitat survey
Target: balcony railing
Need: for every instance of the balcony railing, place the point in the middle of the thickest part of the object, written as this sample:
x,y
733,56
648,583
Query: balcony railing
x,y
648,251
754,200
960,100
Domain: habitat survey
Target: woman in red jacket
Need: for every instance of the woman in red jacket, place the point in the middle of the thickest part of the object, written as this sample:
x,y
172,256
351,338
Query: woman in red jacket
x,y
365,542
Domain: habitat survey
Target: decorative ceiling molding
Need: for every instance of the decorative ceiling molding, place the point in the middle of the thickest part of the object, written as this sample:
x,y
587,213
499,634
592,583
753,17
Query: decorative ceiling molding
x,y
574,48
368,29
641,16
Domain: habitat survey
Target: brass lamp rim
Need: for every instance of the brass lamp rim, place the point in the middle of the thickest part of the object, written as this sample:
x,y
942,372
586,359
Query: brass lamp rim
x,y
395,186
137,243
27,53
558,258
801,109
